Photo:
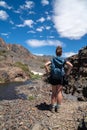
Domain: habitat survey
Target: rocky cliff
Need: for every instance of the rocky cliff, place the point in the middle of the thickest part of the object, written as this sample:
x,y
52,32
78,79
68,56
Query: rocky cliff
x,y
78,78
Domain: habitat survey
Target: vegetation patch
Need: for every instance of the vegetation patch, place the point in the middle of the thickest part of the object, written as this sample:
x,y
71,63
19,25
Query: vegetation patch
x,y
35,76
30,98
24,67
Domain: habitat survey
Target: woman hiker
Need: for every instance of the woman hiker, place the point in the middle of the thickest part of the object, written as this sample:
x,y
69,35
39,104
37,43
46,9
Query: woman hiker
x,y
57,84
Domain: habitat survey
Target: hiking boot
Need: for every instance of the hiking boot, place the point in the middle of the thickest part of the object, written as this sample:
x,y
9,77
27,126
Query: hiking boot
x,y
52,109
56,109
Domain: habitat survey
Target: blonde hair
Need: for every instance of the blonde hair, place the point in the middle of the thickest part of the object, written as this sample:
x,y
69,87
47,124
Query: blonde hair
x,y
59,51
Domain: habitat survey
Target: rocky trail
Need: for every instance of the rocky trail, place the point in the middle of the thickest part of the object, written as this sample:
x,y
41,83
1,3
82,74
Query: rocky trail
x,y
25,106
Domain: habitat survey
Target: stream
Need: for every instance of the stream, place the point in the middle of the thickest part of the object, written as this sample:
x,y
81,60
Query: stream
x,y
8,90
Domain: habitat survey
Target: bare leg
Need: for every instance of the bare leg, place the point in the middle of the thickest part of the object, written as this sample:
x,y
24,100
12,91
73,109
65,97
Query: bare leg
x,y
53,97
59,94
56,98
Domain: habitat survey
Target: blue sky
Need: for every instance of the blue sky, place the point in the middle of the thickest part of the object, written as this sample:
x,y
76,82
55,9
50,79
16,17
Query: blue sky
x,y
41,25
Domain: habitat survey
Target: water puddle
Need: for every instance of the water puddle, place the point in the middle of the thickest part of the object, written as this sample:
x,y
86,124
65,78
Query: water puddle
x,y
8,90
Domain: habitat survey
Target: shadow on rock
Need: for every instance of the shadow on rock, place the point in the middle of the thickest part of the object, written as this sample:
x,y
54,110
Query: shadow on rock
x,y
43,106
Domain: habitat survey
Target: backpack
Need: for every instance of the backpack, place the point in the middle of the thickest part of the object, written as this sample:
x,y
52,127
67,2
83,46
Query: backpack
x,y
57,67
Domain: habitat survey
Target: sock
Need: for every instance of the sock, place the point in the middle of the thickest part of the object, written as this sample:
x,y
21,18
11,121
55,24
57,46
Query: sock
x,y
58,105
54,105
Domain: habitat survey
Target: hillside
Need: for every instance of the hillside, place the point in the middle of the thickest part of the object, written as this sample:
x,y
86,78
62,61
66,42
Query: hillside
x,y
16,62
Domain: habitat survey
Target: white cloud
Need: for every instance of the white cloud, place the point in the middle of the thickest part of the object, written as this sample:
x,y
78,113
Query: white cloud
x,y
4,4
45,2
31,12
5,34
40,29
31,31
3,15
48,17
70,18
42,19
27,5
39,43
20,25
17,11
11,22
48,27
68,54
28,23
51,37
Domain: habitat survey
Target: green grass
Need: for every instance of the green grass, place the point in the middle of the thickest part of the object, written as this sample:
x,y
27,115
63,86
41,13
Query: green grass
x,y
35,76
24,67
31,98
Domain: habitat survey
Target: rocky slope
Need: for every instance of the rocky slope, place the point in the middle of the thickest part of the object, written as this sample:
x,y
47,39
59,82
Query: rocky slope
x,y
25,106
78,78
16,62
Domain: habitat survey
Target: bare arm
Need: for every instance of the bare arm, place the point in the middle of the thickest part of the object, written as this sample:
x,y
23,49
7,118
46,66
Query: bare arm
x,y
69,67
47,66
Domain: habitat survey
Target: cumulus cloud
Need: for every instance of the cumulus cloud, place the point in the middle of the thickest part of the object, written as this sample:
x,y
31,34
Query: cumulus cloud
x,y
39,43
45,2
70,18
5,5
28,23
3,15
27,5
68,54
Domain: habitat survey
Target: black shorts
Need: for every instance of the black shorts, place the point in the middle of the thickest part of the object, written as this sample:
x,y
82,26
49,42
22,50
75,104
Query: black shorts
x,y
56,81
